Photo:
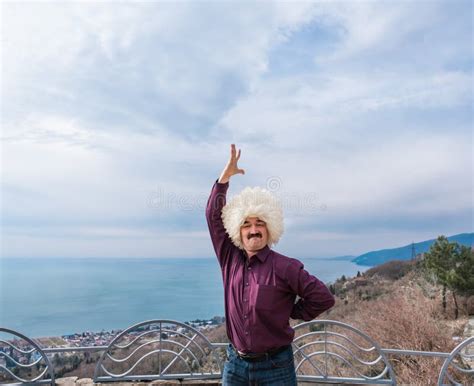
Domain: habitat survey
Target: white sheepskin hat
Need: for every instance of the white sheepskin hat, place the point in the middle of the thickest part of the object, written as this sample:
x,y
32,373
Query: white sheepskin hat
x,y
253,202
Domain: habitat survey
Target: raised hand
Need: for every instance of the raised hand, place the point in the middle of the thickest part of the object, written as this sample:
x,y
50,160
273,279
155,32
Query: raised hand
x,y
231,168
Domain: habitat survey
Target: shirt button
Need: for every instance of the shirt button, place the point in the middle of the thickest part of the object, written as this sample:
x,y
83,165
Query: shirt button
x,y
246,332
246,283
245,316
249,268
245,300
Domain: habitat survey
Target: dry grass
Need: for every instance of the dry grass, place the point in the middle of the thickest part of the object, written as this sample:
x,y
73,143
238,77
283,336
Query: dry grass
x,y
404,317
394,269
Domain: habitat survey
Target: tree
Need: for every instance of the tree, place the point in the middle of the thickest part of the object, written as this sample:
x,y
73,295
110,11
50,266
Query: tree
x,y
332,289
461,276
453,267
464,275
438,261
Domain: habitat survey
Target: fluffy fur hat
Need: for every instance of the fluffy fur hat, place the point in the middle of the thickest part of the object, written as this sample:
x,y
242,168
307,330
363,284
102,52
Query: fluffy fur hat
x,y
253,202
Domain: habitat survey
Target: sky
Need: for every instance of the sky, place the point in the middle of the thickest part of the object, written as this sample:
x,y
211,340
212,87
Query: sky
x,y
116,119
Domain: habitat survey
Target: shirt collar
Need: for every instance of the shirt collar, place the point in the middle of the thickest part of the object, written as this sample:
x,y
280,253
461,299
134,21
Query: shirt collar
x,y
263,253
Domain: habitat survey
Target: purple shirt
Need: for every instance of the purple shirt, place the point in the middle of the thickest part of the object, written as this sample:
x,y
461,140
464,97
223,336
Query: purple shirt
x,y
260,292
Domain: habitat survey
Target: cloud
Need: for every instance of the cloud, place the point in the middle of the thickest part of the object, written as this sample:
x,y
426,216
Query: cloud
x,y
326,106
148,65
116,120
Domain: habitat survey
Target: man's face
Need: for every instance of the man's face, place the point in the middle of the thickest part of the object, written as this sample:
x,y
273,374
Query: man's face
x,y
254,234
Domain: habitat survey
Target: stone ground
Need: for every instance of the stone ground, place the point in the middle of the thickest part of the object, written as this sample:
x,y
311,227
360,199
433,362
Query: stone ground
x,y
74,381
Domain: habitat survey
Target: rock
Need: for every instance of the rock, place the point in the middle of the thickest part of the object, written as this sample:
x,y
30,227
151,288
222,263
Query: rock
x,y
67,381
85,381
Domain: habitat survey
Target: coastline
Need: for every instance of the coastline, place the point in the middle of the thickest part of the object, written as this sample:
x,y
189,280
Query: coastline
x,y
103,338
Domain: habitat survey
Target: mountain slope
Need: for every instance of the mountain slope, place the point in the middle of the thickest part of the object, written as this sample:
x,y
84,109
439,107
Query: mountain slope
x,y
405,252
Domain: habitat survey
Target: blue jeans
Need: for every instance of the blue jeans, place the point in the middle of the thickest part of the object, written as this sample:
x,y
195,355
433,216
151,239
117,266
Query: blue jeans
x,y
278,370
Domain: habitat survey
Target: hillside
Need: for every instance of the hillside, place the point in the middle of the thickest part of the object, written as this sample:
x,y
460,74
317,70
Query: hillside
x,y
396,306
405,252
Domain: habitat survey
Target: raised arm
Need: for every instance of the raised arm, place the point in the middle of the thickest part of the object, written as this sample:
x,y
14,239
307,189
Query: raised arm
x,y
217,199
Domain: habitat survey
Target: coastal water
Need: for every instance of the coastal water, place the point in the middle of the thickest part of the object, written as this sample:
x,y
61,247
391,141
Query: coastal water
x,y
52,297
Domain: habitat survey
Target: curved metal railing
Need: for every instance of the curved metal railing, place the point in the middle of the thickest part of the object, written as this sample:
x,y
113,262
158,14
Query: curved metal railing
x,y
331,351
23,361
159,349
325,351
457,368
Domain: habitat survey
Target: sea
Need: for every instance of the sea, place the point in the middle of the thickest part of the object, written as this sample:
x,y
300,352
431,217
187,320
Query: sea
x,y
42,297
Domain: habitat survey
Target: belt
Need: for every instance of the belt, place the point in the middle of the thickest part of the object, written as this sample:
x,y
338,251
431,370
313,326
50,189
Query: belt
x,y
259,357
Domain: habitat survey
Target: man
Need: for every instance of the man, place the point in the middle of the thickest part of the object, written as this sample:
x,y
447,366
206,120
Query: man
x,y
260,285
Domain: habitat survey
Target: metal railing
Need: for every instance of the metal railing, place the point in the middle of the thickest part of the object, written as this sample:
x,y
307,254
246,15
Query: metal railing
x,y
457,364
325,351
177,346
29,351
335,352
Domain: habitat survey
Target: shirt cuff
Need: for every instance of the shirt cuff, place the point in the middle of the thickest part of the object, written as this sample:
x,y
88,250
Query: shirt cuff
x,y
221,187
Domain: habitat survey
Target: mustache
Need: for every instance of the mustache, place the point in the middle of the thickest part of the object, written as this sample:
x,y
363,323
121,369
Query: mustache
x,y
252,235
